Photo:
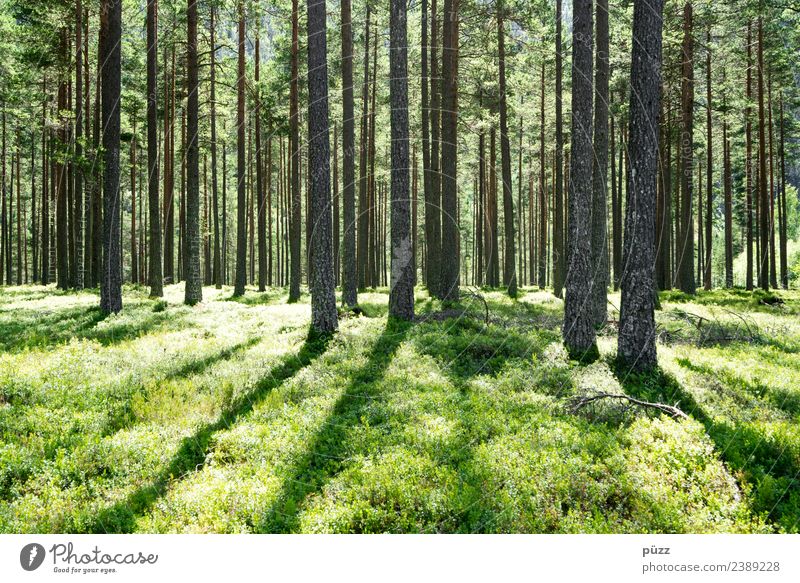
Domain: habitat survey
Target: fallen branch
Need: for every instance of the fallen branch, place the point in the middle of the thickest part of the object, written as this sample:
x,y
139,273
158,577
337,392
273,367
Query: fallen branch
x,y
580,402
475,294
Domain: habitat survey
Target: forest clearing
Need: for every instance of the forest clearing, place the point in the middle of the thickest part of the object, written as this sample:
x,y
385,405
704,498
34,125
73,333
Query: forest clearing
x,y
228,418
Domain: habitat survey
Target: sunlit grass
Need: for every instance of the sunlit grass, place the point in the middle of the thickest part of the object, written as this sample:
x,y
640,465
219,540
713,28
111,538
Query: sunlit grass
x,y
225,417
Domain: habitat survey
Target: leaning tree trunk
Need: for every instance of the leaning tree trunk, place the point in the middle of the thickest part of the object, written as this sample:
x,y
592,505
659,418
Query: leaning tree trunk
x,y
510,268
599,256
401,287
241,167
194,277
636,345
349,274
323,296
111,284
578,330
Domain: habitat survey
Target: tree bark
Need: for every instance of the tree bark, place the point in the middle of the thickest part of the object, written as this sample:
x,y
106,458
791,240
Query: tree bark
x,y
155,273
323,297
194,276
217,265
686,280
709,170
599,255
241,165
111,284
763,192
559,255
450,241
349,273
294,147
401,286
509,268
637,335
578,331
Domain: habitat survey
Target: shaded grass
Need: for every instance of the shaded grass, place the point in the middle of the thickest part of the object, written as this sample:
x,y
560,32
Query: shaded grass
x,y
191,455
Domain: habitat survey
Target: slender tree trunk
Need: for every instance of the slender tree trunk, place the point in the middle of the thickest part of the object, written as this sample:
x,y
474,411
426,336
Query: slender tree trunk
x,y
294,147
134,251
686,277
782,203
709,169
194,276
349,273
433,206
450,238
491,247
241,162
509,268
542,202
763,192
155,273
728,205
62,201
217,265
323,297
111,284
749,162
559,255
636,342
599,292
773,272
578,331
78,196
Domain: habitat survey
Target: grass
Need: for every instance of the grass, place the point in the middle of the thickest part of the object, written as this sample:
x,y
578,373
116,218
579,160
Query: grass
x,y
227,417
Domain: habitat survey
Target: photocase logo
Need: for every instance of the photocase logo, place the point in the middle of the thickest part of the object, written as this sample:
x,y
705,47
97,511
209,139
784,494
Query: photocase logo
x,y
31,556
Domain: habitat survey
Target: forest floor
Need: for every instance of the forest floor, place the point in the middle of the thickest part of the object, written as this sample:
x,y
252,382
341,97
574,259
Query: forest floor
x,y
227,418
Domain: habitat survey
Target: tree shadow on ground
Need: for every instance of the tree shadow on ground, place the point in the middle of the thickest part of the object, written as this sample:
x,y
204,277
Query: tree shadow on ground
x,y
192,452
322,460
759,458
24,329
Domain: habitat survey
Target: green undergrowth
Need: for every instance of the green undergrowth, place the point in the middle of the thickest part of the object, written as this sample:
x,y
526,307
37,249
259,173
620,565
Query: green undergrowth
x,y
229,417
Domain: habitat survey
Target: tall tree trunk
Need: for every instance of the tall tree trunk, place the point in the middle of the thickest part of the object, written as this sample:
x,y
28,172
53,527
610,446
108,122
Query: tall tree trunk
x,y
62,206
349,273
578,331
559,255
491,247
260,194
194,275
450,239
509,268
241,162
323,297
169,172
728,188
773,275
134,251
155,274
749,162
78,196
600,170
217,265
763,192
433,206
363,203
709,169
782,203
686,278
542,202
401,287
637,332
111,284
294,147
